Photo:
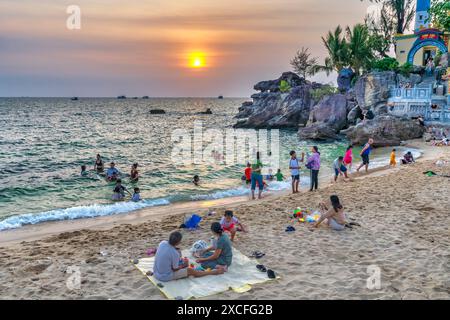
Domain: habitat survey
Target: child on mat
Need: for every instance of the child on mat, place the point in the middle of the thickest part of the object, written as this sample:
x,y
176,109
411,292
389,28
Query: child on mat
x,y
230,223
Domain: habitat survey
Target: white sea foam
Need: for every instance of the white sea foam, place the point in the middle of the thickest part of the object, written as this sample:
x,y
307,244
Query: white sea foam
x,y
90,211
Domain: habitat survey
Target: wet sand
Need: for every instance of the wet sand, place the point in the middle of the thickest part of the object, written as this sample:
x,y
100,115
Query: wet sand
x,y
404,220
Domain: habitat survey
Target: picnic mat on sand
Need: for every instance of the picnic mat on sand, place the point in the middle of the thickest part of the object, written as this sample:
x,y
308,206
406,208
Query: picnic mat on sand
x,y
239,278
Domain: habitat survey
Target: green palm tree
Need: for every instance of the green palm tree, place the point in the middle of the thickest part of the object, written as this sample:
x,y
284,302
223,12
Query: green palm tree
x,y
359,49
338,51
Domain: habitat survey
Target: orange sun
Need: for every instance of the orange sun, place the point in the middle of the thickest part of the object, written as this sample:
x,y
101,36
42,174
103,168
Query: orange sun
x,y
197,60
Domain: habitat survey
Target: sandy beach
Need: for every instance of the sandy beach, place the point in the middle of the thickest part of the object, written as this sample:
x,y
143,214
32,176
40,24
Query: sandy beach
x,y
404,220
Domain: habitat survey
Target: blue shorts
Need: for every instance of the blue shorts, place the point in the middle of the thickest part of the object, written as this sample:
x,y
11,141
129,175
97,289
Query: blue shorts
x,y
343,169
296,177
257,178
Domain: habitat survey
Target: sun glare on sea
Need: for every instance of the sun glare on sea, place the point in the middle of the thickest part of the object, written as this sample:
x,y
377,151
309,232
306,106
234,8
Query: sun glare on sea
x,y
197,60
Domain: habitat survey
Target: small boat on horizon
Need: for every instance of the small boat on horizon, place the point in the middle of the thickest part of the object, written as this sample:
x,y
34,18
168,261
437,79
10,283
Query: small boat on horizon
x,y
74,98
121,97
220,97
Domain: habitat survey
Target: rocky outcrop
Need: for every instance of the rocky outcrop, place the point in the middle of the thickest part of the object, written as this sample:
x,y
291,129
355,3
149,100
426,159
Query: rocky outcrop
x,y
272,108
373,88
326,118
319,132
385,130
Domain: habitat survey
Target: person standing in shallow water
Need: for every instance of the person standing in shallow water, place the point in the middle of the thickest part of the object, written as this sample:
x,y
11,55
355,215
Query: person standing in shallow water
x,y
257,177
99,165
313,164
134,174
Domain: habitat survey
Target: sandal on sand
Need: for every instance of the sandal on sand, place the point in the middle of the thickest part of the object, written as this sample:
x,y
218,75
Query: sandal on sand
x,y
290,229
257,254
261,268
355,224
271,274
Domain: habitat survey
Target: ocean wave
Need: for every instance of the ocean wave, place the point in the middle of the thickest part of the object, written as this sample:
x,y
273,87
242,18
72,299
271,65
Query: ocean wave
x,y
90,211
240,191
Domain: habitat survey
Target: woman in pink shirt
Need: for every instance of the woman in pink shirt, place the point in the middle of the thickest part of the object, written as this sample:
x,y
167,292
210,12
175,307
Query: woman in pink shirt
x,y
348,158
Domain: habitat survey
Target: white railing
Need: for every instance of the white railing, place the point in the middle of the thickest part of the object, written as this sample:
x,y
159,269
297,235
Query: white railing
x,y
410,93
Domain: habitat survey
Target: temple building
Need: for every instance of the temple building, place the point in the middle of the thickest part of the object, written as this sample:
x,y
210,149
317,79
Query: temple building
x,y
430,97
425,42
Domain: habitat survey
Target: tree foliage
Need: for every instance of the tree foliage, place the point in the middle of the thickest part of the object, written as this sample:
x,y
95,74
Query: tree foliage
x,y
402,12
440,14
303,64
350,49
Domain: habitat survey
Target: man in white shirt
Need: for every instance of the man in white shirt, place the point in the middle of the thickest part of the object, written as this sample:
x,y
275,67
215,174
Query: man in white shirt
x,y
294,166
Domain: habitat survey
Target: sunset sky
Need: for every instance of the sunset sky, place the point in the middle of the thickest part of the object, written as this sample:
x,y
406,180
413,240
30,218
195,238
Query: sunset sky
x,y
160,48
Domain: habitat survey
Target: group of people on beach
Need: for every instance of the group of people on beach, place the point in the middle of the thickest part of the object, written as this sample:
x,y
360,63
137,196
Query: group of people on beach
x,y
213,259
113,175
216,258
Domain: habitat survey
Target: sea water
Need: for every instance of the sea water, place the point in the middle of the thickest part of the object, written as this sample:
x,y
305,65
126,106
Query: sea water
x,y
44,142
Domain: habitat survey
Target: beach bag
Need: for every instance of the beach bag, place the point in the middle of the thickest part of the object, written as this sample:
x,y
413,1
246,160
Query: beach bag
x,y
193,221
309,164
198,247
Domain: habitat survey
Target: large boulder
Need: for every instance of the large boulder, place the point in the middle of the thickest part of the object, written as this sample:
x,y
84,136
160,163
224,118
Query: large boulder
x,y
385,130
271,108
373,88
344,79
331,110
319,132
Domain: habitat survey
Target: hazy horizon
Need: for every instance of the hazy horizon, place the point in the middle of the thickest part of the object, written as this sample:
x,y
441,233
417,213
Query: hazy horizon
x,y
143,47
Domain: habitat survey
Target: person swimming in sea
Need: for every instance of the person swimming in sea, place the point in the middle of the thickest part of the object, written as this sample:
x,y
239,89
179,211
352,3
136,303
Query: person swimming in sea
x,y
119,191
112,174
196,180
84,171
99,165
134,174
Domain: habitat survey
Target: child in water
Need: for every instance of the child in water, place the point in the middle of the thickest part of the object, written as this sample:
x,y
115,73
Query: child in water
x,y
230,223
136,195
84,170
279,176
248,173
392,161
119,191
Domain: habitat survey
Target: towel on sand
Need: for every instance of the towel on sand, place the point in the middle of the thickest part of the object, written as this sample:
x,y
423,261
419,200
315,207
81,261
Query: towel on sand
x,y
240,276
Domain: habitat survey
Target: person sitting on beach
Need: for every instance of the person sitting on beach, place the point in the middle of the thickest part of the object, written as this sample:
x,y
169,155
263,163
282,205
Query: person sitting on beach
x,y
119,191
220,255
365,153
248,173
335,216
348,157
294,166
339,168
84,171
231,224
408,158
136,197
279,176
168,265
98,165
134,174
112,173
196,180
